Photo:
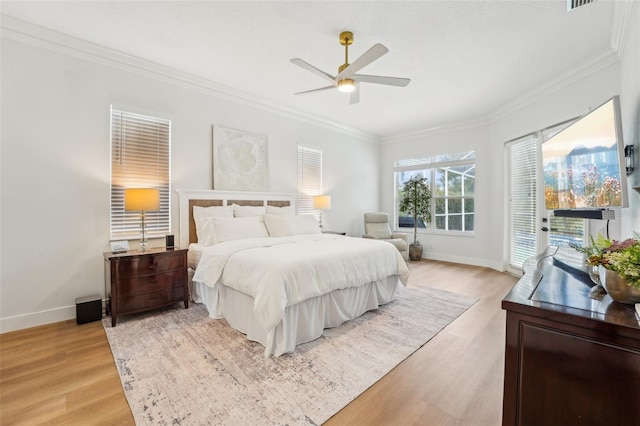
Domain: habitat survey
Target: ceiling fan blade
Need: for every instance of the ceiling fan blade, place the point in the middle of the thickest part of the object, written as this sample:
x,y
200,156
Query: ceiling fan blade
x,y
378,79
365,59
314,90
307,66
355,95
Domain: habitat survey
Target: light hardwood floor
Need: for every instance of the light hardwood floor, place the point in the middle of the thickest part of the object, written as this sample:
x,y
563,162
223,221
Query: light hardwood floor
x,y
64,373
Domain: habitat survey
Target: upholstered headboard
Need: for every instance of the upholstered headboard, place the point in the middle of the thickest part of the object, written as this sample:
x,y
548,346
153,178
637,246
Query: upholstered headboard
x,y
207,198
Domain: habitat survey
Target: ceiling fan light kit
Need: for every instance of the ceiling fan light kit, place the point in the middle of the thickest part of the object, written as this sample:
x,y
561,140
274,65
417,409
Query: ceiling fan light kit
x,y
346,85
347,81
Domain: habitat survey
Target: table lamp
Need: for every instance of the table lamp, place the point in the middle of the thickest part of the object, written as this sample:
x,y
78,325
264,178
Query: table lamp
x,y
141,199
322,202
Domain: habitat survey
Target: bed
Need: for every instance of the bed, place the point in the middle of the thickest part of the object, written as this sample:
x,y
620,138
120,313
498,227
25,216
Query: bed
x,y
280,288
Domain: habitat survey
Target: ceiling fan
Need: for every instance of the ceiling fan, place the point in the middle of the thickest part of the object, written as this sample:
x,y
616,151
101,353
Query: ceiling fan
x,y
347,80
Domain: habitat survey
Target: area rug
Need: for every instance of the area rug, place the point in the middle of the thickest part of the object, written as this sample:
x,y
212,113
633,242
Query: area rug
x,y
178,366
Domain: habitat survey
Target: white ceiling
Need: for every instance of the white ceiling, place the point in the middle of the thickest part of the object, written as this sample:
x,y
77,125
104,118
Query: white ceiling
x,y
465,59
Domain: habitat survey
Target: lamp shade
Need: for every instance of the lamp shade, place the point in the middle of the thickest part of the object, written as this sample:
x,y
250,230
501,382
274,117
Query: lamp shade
x,y
322,202
141,199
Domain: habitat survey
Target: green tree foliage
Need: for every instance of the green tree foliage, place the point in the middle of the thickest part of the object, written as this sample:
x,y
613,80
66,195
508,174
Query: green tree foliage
x,y
416,202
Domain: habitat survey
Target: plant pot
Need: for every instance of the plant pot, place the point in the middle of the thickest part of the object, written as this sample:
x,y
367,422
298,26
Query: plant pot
x,y
415,251
618,288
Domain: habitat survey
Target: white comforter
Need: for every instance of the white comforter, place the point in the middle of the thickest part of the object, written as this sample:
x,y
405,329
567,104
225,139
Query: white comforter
x,y
283,271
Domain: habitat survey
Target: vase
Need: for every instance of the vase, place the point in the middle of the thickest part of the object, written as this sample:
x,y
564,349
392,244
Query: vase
x,y
618,288
415,251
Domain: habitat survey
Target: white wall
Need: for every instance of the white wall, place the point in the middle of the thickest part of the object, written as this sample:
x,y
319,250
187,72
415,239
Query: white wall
x,y
469,249
55,168
630,107
486,247
569,96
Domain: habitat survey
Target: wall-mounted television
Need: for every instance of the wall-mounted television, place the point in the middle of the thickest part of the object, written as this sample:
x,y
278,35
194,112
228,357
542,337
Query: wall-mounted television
x,y
583,165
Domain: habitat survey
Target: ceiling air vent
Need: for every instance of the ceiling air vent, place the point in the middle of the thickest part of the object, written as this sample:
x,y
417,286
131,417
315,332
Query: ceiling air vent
x,y
574,4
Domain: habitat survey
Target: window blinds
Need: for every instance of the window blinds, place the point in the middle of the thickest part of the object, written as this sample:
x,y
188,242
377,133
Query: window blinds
x,y
309,179
140,158
522,164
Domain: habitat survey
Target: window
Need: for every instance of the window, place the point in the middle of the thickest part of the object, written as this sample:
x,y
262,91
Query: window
x,y
452,180
309,179
140,158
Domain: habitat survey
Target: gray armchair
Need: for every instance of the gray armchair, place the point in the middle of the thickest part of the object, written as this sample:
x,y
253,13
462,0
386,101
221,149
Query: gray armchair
x,y
376,226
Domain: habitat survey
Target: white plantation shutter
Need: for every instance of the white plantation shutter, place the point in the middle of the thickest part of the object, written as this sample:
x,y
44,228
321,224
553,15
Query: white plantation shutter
x,y
522,160
309,179
140,158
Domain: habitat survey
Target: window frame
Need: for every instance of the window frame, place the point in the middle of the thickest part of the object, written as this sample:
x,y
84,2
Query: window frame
x,y
429,166
147,164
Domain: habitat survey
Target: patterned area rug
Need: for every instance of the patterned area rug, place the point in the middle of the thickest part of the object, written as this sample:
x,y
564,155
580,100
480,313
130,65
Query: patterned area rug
x,y
178,366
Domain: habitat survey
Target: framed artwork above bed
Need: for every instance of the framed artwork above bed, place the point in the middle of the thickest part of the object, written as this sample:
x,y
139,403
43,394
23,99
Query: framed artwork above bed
x,y
239,160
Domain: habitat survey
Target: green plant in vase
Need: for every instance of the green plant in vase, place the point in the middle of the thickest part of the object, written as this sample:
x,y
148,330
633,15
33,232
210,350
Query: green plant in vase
x,y
415,201
622,259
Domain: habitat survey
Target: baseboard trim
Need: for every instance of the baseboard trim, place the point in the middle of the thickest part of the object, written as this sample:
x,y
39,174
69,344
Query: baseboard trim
x,y
35,319
498,266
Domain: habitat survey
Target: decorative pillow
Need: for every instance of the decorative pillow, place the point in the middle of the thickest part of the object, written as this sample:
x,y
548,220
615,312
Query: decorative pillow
x,y
278,226
280,211
303,224
248,211
235,228
204,227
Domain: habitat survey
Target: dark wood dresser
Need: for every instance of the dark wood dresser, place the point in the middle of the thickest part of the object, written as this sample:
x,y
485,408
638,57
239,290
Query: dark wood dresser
x,y
570,359
138,281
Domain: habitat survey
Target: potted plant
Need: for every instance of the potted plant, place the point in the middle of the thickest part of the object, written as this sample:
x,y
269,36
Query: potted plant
x,y
415,201
618,264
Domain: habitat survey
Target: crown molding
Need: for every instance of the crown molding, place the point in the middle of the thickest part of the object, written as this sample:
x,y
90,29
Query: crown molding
x,y
620,28
18,30
622,11
580,72
438,130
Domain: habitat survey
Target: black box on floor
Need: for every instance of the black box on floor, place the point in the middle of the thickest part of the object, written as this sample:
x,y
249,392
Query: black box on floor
x,y
88,308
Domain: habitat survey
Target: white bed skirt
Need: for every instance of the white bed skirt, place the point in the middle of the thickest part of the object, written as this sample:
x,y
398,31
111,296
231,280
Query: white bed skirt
x,y
303,321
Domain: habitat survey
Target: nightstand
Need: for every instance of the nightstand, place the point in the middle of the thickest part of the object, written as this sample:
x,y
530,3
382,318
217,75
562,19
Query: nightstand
x,y
138,281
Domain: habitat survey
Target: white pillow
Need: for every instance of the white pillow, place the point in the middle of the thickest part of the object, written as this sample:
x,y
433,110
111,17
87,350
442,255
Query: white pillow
x,y
204,227
280,211
248,211
278,226
303,224
235,228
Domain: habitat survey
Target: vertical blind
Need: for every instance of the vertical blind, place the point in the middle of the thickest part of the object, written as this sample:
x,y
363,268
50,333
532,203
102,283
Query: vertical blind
x,y
522,163
140,158
309,179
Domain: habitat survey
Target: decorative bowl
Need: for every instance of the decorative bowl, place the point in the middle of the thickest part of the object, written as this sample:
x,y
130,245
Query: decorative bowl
x,y
618,288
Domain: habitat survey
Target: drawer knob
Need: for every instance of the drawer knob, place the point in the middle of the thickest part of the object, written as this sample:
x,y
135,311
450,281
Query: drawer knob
x,y
152,266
